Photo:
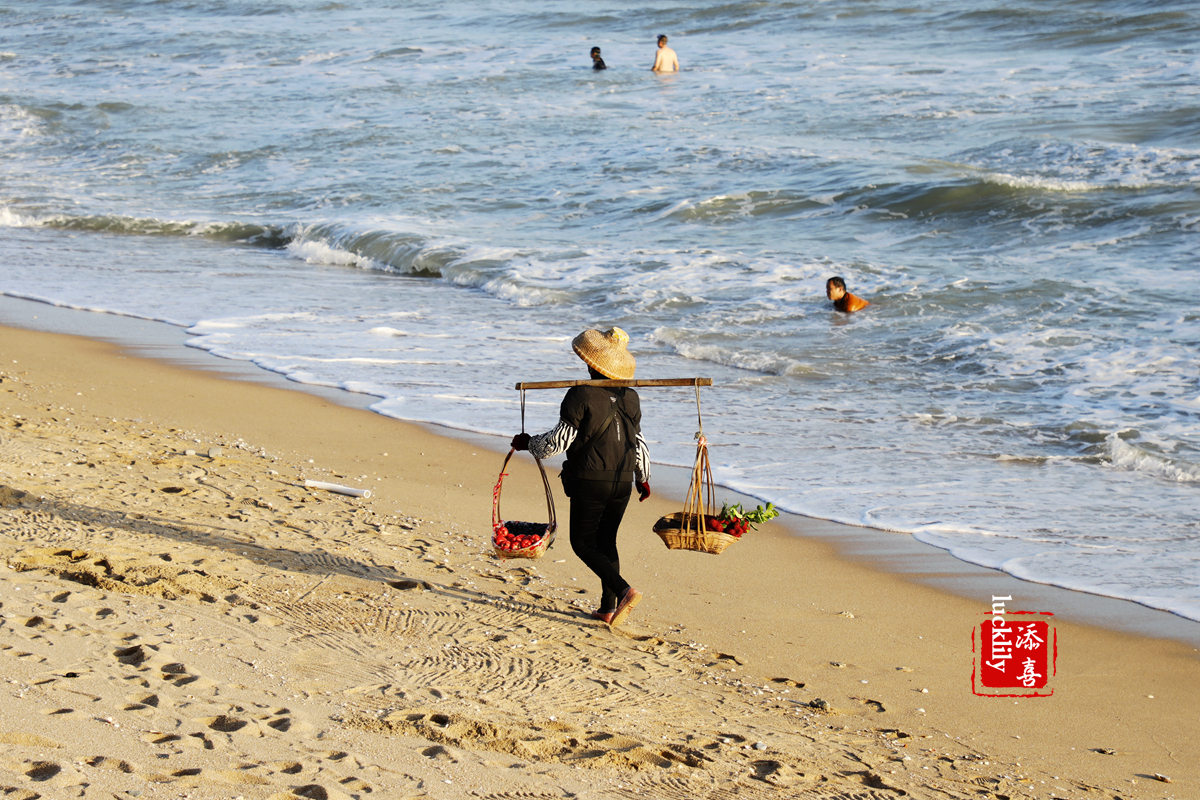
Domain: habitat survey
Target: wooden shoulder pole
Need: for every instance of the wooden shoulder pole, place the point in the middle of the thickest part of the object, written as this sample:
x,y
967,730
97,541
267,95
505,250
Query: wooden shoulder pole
x,y
615,384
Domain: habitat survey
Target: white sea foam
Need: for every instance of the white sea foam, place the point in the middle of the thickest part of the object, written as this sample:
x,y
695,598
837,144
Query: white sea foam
x,y
1051,184
11,219
1126,456
321,253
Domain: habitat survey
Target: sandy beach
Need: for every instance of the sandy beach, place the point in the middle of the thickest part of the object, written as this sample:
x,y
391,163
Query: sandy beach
x,y
182,617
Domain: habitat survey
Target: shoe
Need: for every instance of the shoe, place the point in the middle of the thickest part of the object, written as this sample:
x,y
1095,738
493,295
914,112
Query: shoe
x,y
628,600
603,616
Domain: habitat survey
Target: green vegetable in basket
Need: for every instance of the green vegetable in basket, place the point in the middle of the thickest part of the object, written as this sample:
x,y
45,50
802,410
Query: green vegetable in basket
x,y
753,518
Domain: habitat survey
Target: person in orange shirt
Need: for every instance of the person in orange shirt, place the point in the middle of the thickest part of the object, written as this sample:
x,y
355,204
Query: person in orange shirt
x,y
835,290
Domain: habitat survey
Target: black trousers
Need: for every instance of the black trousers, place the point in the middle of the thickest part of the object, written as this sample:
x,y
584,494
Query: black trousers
x,y
597,508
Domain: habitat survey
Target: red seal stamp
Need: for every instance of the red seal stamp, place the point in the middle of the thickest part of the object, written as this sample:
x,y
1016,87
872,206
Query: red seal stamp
x,y
1015,653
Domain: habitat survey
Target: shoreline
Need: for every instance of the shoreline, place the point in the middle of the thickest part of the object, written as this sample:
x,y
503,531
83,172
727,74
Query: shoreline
x,y
389,628
893,553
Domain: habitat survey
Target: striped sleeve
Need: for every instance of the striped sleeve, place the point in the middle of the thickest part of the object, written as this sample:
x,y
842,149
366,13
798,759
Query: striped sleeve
x,y
552,442
642,467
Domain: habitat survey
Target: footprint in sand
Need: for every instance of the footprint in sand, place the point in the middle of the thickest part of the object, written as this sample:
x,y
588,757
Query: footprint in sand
x,y
439,753
286,767
873,705
141,700
224,723
42,770
132,656
114,764
777,773
29,740
198,740
177,674
158,737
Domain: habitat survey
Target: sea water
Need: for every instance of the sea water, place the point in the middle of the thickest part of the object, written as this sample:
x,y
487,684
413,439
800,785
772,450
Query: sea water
x,y
424,202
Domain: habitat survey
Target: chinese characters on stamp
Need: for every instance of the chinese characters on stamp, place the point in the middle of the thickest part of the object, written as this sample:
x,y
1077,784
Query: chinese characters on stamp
x,y
1015,653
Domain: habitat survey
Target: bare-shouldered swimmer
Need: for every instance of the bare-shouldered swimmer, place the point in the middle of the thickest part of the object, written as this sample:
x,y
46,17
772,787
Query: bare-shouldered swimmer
x,y
665,59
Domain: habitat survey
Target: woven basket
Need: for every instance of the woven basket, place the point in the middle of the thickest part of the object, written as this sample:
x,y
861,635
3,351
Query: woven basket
x,y
533,551
679,532
688,529
538,549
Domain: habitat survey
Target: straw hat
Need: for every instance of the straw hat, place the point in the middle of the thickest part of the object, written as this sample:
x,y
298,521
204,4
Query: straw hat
x,y
607,352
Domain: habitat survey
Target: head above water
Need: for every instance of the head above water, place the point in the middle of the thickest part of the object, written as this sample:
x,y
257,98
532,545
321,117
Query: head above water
x,y
595,52
606,352
662,39
835,287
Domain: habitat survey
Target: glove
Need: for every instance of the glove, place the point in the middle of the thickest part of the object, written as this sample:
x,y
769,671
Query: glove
x,y
520,441
643,490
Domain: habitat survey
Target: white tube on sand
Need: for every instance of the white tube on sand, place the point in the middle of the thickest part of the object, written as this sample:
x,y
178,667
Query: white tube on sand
x,y
337,487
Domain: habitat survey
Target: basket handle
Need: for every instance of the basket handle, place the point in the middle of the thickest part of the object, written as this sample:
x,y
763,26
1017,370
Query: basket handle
x,y
700,496
496,519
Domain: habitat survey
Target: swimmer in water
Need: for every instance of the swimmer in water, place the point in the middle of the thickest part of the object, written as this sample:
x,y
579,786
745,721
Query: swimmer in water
x,y
835,290
597,61
665,59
